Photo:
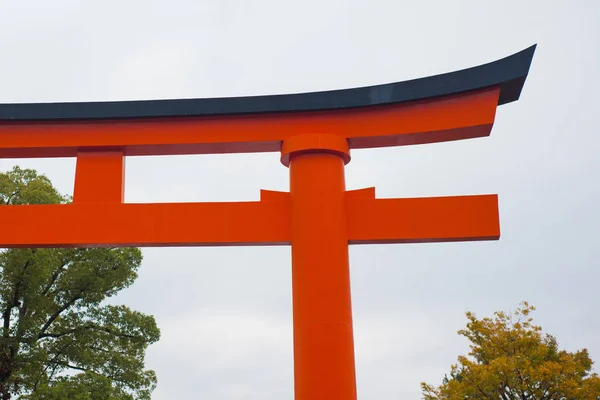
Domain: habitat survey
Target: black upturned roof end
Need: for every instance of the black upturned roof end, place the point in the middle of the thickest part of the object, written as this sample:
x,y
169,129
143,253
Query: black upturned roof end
x,y
508,73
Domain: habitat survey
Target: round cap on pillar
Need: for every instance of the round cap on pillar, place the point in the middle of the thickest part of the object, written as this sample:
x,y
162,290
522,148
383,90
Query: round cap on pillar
x,y
314,143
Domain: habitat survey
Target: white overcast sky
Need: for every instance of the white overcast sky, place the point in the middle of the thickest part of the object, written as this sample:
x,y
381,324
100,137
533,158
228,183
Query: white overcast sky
x,y
225,313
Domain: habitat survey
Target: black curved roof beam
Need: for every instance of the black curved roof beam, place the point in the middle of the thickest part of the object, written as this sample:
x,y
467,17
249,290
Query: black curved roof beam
x,y
508,74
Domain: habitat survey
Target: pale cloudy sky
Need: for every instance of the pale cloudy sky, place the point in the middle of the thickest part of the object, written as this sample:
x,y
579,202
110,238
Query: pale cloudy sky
x,y
225,313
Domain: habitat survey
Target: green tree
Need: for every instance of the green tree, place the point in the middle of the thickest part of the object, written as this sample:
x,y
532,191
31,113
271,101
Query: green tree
x,y
57,338
510,359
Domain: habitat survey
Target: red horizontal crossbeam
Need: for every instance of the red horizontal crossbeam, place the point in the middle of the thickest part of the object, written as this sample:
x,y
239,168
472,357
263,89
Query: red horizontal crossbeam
x,y
166,224
265,222
441,119
421,220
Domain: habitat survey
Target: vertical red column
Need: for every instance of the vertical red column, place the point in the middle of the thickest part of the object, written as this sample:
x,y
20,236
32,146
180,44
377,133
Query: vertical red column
x,y
99,177
323,335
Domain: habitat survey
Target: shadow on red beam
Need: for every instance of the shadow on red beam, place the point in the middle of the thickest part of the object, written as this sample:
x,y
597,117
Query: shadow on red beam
x,y
420,220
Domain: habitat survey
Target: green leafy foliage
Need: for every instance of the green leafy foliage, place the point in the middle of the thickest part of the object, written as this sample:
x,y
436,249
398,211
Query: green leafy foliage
x,y
57,338
510,359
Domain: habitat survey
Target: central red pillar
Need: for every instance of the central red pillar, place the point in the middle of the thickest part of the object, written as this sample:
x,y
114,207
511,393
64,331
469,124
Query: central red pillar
x,y
323,336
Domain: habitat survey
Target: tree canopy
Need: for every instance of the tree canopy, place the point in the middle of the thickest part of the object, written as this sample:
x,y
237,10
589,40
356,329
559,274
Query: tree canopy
x,y
58,339
511,359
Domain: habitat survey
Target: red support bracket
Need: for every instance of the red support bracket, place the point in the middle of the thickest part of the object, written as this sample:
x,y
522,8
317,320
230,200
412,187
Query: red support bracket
x,y
99,177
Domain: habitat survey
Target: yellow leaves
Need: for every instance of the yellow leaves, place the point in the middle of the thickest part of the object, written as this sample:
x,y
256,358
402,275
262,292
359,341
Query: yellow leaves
x,y
511,358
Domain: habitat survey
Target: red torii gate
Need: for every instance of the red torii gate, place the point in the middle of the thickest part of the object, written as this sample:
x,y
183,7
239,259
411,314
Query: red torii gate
x,y
314,133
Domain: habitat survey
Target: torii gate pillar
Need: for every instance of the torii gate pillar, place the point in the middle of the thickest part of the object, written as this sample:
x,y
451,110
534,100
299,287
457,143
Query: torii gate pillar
x,y
323,336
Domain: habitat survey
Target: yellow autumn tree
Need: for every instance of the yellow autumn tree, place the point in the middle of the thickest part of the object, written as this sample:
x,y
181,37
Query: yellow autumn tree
x,y
511,359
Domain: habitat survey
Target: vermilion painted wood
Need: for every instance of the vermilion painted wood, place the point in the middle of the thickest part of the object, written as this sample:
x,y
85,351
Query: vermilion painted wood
x,y
265,222
429,219
323,335
442,119
168,224
99,177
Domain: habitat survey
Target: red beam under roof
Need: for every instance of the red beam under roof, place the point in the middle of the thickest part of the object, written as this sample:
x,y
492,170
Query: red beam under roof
x,y
456,117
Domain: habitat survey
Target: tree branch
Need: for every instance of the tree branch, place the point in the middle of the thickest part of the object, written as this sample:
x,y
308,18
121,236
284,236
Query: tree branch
x,y
9,200
57,313
86,327
53,279
6,320
14,303
67,365
56,356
